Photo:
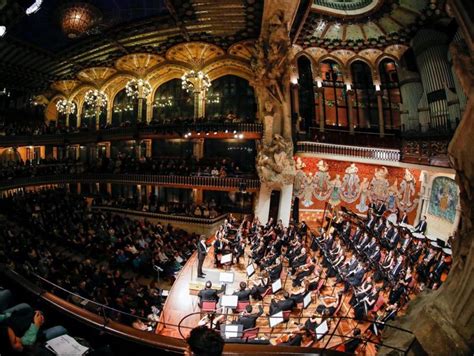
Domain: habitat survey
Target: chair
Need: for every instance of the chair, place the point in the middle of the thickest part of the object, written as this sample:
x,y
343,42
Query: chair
x,y
250,334
241,306
208,305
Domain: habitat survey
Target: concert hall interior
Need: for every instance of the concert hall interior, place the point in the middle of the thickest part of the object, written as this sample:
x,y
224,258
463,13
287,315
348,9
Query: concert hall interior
x,y
208,177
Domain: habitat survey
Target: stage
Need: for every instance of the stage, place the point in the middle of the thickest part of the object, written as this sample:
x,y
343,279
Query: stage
x,y
182,301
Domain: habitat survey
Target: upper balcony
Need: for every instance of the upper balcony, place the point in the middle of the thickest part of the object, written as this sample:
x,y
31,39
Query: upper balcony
x,y
208,130
427,148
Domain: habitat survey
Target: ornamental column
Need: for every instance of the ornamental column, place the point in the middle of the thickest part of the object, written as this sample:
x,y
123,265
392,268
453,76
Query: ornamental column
x,y
411,91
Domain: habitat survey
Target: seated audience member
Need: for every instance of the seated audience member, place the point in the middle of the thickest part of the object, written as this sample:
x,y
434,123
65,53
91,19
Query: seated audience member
x,y
210,294
249,320
203,341
20,329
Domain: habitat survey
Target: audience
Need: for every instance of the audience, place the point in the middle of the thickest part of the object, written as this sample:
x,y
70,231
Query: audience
x,y
55,235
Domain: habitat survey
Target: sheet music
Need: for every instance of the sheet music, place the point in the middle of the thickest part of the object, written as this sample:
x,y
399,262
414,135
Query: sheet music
x,y
226,258
66,345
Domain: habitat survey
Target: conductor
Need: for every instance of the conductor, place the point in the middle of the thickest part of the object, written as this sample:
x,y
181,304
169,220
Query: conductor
x,y
202,252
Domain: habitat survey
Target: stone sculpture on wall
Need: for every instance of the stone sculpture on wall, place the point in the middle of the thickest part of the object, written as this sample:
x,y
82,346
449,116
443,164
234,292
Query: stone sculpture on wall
x,y
350,188
275,164
406,200
270,63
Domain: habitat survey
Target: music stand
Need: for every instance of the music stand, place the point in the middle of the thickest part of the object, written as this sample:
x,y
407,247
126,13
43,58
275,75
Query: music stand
x,y
230,331
229,301
250,270
322,330
275,319
226,259
226,278
276,286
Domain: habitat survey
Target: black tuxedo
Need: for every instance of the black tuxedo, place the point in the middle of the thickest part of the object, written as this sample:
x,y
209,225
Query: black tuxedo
x,y
202,252
404,219
243,295
249,320
421,227
210,294
282,305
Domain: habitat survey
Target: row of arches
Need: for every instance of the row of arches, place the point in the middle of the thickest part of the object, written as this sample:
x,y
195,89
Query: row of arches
x,y
336,94
228,95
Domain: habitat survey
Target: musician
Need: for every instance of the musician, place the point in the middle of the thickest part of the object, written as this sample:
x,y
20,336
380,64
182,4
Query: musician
x,y
238,251
397,267
329,304
380,208
275,271
277,306
362,308
370,247
436,272
299,260
243,295
356,236
404,218
388,261
363,241
354,278
218,248
371,222
346,230
303,272
260,286
396,294
393,240
362,291
210,294
202,252
421,226
352,345
376,254
379,227
298,293
406,242
249,319
407,278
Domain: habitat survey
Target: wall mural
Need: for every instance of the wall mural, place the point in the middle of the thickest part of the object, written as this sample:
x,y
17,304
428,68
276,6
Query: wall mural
x,y
354,185
444,198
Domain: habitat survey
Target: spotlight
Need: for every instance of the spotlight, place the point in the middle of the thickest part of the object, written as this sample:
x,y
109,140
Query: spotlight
x,y
241,136
226,131
207,133
34,7
235,131
215,132
3,30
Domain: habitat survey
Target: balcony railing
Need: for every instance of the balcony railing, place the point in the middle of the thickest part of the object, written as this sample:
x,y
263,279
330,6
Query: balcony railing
x,y
180,218
208,183
380,154
137,132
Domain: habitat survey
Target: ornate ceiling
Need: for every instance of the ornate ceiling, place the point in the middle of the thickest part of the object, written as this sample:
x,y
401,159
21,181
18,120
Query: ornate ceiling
x,y
360,24
35,52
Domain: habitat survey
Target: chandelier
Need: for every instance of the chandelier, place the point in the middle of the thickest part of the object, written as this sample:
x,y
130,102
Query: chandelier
x,y
195,81
66,107
96,99
138,88
78,18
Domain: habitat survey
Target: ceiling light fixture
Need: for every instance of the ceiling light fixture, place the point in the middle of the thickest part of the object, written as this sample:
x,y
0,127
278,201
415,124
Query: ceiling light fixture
x,y
34,7
78,18
138,88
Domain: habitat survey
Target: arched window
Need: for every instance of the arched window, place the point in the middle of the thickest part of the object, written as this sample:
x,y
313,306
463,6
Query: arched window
x,y
172,102
334,95
365,100
124,109
306,92
391,97
89,116
231,95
